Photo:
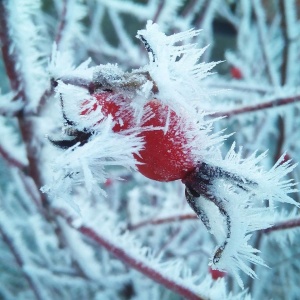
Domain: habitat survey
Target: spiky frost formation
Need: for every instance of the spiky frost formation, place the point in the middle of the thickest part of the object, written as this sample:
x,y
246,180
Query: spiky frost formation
x,y
86,165
175,67
244,204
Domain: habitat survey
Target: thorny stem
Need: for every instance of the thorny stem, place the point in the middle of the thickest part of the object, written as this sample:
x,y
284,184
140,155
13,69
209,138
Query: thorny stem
x,y
131,260
19,259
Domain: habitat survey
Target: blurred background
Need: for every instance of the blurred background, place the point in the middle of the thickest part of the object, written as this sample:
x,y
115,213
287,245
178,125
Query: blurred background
x,y
41,255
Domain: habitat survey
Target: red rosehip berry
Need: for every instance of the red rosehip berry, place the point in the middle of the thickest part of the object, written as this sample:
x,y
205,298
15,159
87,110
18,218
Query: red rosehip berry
x,y
165,156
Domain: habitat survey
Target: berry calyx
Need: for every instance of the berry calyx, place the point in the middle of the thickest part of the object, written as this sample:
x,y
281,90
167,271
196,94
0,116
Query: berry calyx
x,y
165,156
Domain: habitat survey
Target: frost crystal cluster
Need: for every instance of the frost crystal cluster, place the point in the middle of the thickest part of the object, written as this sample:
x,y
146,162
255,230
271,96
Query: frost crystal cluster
x,y
142,159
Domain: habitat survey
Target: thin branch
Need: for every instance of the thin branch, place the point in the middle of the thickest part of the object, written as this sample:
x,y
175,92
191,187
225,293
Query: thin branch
x,y
285,50
259,15
240,86
12,161
158,11
134,262
257,107
139,265
28,132
62,22
19,259
283,225
9,57
162,221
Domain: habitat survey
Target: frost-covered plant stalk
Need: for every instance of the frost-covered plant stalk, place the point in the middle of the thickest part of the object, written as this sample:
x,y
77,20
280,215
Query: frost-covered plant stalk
x,y
162,119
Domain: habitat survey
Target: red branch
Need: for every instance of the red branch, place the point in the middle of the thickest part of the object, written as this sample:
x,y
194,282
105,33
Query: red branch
x,y
62,23
162,221
138,265
11,160
283,225
257,107
9,58
119,252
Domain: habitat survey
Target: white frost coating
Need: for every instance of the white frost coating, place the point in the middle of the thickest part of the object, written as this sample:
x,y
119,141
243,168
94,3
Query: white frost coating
x,y
62,65
244,206
10,142
73,31
174,270
8,106
81,252
75,100
175,68
245,217
270,185
285,238
85,165
26,32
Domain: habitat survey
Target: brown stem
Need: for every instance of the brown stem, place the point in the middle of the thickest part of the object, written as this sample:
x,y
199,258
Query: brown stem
x,y
257,107
263,38
139,265
189,8
162,221
158,11
10,159
62,23
285,51
283,225
9,57
32,144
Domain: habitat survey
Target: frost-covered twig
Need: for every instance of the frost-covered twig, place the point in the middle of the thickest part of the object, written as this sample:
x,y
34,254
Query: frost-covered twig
x,y
283,225
62,22
260,16
13,161
20,260
259,106
169,219
134,262
9,58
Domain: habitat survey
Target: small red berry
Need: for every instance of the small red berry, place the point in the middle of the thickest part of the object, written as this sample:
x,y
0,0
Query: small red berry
x,y
236,73
108,182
